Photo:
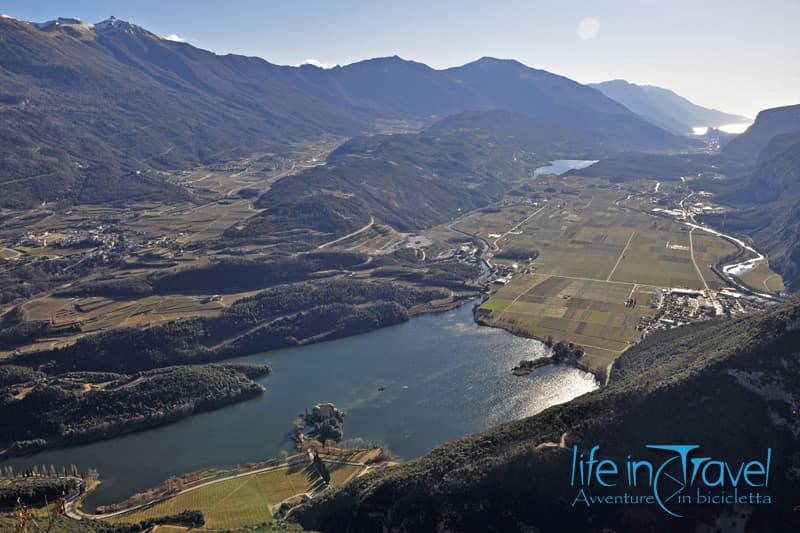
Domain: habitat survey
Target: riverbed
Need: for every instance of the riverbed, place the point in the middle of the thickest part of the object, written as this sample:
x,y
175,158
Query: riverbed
x,y
442,376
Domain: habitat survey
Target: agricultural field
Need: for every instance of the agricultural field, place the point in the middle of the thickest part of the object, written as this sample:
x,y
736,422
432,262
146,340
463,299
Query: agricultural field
x,y
762,278
245,500
590,313
9,254
95,314
707,250
599,248
192,223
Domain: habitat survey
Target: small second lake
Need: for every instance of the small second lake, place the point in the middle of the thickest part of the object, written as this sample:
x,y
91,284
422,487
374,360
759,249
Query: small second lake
x,y
562,166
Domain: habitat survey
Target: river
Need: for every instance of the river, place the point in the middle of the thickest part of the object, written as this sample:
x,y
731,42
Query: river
x,y
443,377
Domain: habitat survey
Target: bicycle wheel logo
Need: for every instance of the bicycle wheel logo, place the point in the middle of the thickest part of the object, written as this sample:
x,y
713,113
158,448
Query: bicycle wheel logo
x,y
669,484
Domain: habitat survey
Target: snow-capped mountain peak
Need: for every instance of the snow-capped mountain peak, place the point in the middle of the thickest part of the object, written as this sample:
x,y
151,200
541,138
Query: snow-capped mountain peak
x,y
113,24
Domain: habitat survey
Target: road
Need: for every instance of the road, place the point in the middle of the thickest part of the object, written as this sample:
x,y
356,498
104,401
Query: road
x,y
561,444
694,225
694,261
353,234
728,269
621,255
486,266
74,512
504,235
29,178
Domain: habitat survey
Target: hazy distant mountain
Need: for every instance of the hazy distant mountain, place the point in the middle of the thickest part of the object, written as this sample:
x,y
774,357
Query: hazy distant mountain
x,y
90,113
664,107
511,86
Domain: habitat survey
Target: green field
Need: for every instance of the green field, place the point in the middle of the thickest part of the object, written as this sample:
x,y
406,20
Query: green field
x,y
8,253
245,500
761,278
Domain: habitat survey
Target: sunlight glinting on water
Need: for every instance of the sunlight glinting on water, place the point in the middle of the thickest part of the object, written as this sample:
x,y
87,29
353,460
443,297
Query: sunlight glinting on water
x,y
413,386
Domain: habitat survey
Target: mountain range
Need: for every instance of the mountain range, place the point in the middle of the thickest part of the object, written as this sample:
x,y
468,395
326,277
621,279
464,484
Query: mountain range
x,y
98,113
665,108
105,113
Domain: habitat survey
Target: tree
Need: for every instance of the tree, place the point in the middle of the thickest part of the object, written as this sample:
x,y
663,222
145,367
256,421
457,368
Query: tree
x,y
321,468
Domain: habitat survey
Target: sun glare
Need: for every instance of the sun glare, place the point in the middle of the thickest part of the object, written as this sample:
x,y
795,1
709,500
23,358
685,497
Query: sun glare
x,y
588,28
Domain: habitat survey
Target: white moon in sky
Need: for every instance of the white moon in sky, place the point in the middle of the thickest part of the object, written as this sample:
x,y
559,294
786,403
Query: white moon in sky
x,y
588,28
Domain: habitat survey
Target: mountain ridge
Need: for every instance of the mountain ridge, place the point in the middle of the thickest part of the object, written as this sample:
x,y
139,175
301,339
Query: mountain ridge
x,y
664,107
84,103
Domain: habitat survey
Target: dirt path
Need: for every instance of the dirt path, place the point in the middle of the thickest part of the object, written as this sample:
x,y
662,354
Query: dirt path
x,y
504,235
621,255
74,512
691,252
561,444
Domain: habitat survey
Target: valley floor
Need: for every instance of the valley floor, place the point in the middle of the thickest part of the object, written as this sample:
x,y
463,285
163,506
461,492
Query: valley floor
x,y
608,265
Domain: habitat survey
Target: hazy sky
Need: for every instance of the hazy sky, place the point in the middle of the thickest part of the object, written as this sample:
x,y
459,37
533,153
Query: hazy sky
x,y
733,55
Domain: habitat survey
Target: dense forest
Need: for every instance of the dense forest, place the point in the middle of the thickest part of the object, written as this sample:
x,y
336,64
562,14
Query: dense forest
x,y
41,411
34,490
408,181
286,315
220,276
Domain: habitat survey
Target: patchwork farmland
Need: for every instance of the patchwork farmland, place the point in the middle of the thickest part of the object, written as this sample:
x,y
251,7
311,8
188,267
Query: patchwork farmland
x,y
604,260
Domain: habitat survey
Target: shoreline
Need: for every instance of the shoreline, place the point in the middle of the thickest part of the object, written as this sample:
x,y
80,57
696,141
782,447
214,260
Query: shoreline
x,y
9,453
442,307
601,375
455,301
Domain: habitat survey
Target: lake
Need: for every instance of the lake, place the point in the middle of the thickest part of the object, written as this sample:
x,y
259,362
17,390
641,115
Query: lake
x,y
561,166
444,377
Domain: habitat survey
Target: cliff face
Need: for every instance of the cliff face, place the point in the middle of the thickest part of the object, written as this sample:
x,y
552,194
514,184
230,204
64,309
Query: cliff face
x,y
777,173
781,240
733,388
768,124
768,193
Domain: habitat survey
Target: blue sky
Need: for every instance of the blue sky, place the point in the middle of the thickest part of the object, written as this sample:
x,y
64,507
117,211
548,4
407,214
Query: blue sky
x,y
737,56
